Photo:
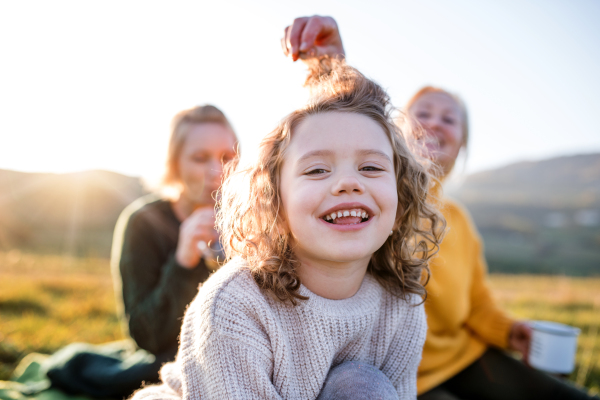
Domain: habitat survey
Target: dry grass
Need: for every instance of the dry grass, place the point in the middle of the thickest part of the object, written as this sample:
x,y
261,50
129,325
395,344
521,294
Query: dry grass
x,y
47,302
572,301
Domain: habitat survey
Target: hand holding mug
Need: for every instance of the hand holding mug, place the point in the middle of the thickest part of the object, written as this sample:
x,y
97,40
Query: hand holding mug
x,y
520,338
198,227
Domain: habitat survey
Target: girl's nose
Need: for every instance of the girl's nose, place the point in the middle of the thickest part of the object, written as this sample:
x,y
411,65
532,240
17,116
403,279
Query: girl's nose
x,y
348,184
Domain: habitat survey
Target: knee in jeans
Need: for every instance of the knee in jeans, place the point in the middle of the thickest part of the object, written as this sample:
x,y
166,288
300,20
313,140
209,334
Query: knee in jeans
x,y
357,380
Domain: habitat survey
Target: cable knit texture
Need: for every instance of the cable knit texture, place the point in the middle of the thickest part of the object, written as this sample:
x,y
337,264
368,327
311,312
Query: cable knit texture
x,y
237,342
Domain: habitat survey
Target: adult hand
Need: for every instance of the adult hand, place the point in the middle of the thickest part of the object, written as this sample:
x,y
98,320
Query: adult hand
x,y
520,338
198,227
310,37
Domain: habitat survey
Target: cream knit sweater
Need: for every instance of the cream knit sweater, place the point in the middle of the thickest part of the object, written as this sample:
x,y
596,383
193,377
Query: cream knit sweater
x,y
239,343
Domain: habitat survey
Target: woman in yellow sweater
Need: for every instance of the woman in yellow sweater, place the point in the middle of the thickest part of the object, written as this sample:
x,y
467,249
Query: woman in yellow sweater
x,y
466,328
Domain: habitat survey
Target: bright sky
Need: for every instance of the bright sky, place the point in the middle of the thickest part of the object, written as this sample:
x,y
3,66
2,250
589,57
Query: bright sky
x,y
93,85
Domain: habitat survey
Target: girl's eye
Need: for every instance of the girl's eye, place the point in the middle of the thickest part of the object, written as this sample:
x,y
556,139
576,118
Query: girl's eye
x,y
422,115
316,171
200,159
370,168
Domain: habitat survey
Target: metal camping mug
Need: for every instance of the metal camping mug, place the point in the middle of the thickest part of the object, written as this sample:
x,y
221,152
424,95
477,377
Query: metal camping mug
x,y
553,347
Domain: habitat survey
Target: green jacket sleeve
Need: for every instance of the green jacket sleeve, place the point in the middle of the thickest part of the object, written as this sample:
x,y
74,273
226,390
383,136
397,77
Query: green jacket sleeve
x,y
155,288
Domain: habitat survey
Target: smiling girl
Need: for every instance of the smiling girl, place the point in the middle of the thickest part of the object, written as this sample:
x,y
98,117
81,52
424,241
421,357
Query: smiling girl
x,y
322,297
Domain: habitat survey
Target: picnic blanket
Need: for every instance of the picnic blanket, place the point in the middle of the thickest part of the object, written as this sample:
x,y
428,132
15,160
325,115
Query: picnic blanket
x,y
28,382
108,371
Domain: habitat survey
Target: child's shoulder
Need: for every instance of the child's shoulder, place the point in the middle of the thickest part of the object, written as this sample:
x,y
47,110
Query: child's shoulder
x,y
387,296
232,281
230,293
409,306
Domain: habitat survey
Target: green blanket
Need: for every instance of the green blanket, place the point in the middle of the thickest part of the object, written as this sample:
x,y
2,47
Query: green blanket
x,y
30,382
111,370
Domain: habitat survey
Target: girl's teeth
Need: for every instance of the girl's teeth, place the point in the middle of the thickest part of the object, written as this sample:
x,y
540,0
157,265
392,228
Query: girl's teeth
x,y
346,213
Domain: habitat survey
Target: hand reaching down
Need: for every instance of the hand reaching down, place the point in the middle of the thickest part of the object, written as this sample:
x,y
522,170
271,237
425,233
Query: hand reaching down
x,y
309,37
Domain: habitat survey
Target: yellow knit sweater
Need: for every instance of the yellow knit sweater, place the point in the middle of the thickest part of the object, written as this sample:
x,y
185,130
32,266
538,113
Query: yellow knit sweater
x,y
462,316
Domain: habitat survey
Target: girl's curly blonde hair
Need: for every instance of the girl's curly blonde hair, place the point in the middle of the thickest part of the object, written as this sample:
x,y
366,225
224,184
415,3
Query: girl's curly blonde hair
x,y
250,208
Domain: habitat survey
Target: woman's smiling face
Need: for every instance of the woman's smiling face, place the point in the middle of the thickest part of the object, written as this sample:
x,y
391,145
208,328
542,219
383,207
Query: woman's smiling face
x,y
442,119
338,187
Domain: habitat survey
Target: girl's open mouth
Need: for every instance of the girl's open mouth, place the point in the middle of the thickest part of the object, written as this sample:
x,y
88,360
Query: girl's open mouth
x,y
347,217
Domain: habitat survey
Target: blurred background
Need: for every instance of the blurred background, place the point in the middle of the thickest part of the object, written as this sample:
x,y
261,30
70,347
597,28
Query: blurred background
x,y
87,91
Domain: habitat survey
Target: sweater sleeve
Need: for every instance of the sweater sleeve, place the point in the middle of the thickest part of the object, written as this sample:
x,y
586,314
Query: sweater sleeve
x,y
225,352
223,368
486,319
405,352
228,369
156,392
155,290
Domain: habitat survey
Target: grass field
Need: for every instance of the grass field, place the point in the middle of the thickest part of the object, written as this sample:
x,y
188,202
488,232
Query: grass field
x,y
47,302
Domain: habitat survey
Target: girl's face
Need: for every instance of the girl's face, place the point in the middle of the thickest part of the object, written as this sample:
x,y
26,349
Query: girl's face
x,y
206,148
442,119
338,188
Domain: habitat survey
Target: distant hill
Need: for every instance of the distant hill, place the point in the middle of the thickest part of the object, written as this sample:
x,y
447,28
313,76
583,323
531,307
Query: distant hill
x,y
73,213
535,217
563,182
539,217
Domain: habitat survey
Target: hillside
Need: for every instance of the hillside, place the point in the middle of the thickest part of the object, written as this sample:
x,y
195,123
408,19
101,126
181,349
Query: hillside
x,y
66,213
539,217
535,217
562,182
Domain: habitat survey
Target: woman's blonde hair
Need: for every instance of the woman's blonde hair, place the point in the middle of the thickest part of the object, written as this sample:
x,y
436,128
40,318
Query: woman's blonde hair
x,y
454,97
180,128
250,218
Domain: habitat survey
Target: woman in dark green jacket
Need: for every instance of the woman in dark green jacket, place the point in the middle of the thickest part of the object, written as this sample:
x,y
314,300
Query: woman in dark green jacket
x,y
161,254
158,259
